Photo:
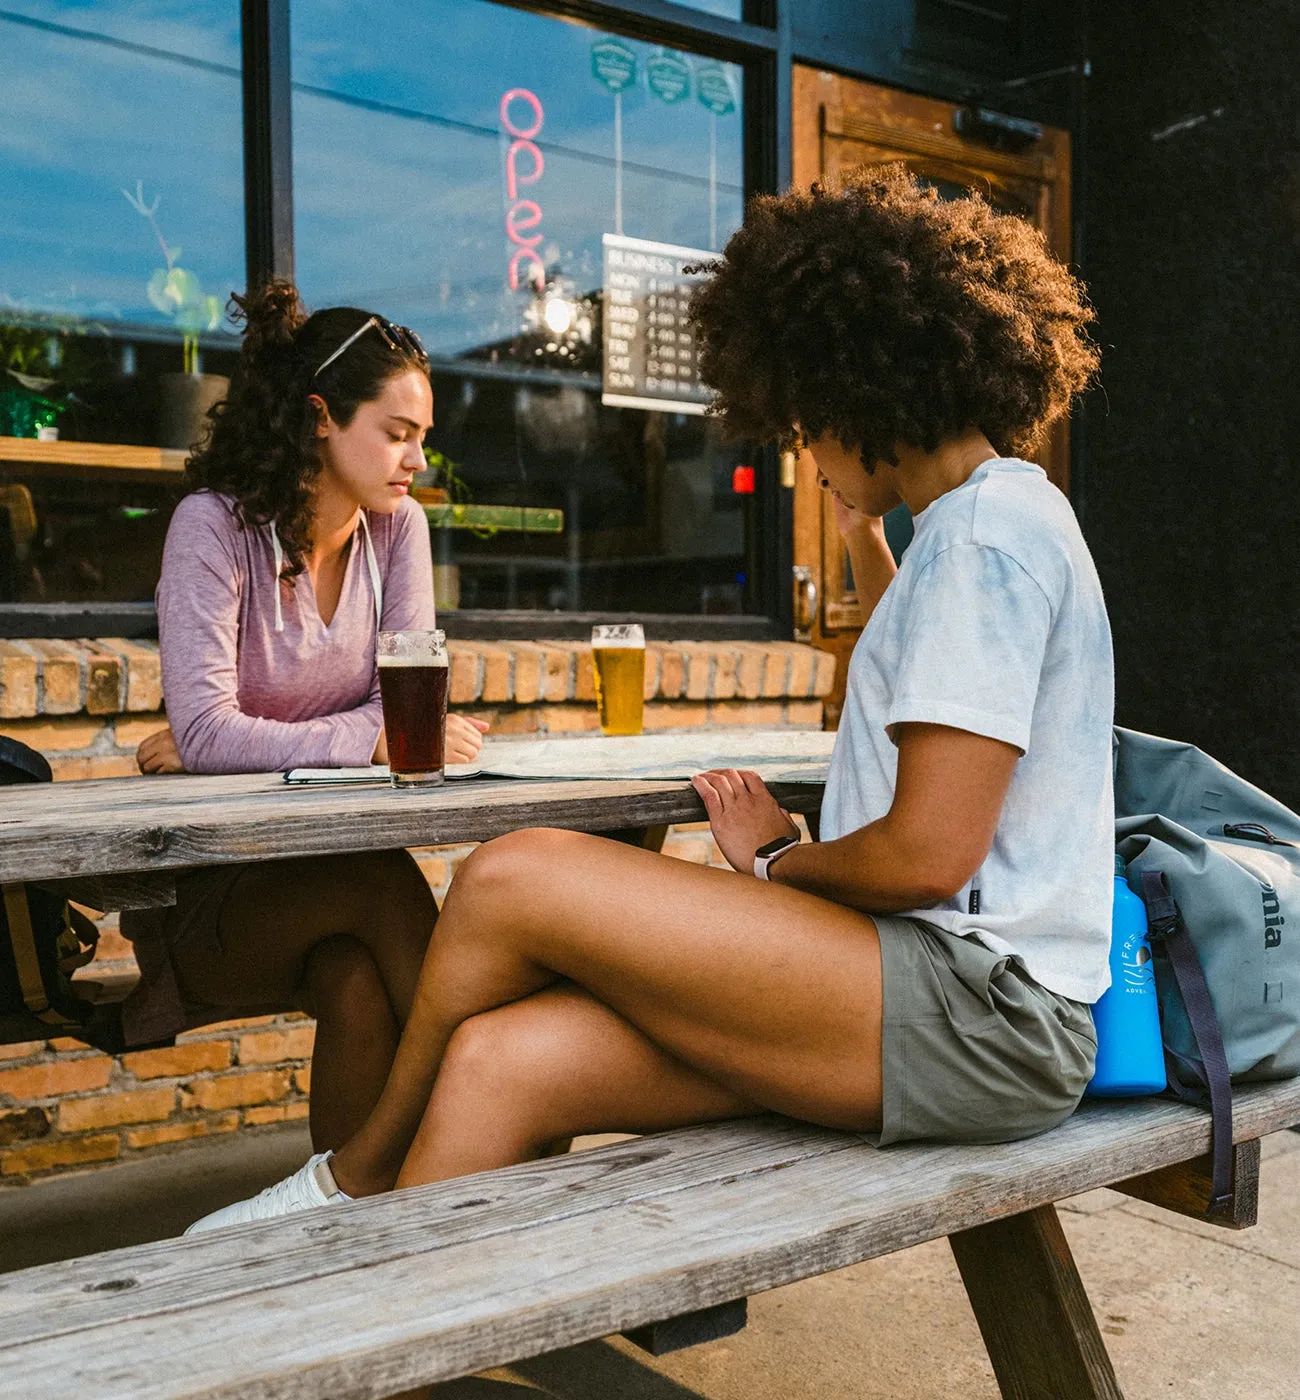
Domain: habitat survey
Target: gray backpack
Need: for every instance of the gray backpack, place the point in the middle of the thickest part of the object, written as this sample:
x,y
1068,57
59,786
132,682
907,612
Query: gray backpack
x,y
1217,862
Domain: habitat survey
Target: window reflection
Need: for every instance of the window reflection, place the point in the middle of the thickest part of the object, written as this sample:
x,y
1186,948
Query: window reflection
x,y
121,179
456,164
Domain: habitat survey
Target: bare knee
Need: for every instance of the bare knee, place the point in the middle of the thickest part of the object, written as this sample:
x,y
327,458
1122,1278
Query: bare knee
x,y
513,862
496,1068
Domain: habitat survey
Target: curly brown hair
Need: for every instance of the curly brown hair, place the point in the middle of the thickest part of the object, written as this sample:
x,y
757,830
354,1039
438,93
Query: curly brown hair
x,y
260,443
881,314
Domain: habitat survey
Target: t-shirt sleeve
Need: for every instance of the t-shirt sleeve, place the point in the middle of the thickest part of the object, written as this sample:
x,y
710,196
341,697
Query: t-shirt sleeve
x,y
973,646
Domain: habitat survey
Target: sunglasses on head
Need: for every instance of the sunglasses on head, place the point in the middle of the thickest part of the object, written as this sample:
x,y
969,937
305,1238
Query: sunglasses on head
x,y
398,338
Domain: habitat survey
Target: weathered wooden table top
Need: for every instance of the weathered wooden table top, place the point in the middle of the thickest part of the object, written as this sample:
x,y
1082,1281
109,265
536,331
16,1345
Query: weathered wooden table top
x,y
112,826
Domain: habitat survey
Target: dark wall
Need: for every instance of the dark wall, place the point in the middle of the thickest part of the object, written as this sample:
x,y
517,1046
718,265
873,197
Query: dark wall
x,y
1190,496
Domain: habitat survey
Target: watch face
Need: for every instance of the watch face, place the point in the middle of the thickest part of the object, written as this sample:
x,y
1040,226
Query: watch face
x,y
772,847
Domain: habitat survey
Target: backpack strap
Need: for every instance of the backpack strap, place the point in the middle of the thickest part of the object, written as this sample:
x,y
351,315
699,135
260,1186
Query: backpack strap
x,y
22,938
1169,931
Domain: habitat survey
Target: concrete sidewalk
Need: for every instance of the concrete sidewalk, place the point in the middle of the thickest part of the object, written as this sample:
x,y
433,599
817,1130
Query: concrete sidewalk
x,y
1189,1312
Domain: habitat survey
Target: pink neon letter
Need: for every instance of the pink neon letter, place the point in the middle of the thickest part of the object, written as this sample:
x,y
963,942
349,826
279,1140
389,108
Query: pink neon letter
x,y
513,178
533,101
536,275
525,214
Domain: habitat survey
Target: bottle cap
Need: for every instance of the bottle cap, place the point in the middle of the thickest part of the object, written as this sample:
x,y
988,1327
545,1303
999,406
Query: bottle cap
x,y
1121,866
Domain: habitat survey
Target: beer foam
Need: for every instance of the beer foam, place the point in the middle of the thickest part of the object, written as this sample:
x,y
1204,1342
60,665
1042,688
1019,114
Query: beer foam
x,y
616,643
392,662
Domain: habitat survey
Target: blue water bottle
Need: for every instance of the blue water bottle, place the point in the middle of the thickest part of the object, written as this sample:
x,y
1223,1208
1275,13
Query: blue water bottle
x,y
1130,1056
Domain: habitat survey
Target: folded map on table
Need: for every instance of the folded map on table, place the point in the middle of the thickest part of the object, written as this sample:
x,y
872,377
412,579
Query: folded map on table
x,y
776,755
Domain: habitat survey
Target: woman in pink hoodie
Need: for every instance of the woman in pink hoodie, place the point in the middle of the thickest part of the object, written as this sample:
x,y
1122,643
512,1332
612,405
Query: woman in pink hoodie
x,y
298,543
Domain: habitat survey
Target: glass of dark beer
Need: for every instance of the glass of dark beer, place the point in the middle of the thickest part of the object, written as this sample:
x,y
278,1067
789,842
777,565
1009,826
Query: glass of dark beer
x,y
413,674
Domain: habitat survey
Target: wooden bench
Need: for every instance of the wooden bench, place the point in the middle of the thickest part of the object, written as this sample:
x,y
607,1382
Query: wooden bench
x,y
660,1237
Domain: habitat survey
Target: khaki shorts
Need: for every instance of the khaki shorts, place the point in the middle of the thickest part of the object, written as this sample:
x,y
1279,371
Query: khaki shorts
x,y
973,1049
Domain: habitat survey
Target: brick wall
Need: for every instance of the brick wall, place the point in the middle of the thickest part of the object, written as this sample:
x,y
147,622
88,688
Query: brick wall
x,y
87,705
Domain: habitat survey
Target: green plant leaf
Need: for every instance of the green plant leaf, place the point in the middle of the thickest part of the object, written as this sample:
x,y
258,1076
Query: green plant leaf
x,y
183,286
156,289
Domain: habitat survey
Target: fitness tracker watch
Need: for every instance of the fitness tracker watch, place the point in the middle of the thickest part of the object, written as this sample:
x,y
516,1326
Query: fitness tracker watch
x,y
773,850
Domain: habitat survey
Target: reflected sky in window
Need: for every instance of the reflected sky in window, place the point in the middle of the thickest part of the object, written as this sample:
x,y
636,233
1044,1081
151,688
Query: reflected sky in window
x,y
401,158
95,98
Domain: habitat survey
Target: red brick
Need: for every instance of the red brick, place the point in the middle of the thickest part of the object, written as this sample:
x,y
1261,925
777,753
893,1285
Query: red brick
x,y
672,672
824,674
144,672
60,677
496,673
804,712
59,1077
67,1042
270,1047
751,662
522,721
722,683
245,1023
17,681
236,1090
256,1117
178,1061
130,733
466,669
112,766
182,1132
302,1080
64,1152
557,681
653,660
105,681
23,1123
803,660
21,1050
698,659
112,1110
568,719
112,946
765,714
529,671
677,714
584,676
58,735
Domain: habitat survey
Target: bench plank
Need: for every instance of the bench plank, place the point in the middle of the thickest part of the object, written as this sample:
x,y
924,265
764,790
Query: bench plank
x,y
1033,1313
349,1320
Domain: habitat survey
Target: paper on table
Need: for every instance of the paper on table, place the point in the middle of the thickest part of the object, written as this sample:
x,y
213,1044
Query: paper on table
x,y
776,755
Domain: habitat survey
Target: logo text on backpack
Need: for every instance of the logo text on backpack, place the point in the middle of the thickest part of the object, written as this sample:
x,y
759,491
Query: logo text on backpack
x,y
1273,919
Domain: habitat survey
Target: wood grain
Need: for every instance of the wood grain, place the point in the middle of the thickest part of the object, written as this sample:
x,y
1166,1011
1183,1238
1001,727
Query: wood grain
x,y
1032,1310
1186,1188
368,1299
105,456
116,825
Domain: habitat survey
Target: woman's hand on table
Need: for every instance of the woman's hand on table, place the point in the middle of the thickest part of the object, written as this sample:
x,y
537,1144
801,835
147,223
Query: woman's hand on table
x,y
464,738
158,753
742,813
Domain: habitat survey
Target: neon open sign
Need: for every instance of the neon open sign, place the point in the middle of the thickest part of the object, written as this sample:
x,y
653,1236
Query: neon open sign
x,y
524,166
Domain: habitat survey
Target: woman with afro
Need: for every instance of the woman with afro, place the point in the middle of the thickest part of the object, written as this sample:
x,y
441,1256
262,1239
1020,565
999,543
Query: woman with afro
x,y
925,970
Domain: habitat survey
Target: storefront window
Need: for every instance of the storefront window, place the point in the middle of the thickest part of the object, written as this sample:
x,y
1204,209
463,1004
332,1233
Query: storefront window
x,y
457,166
122,187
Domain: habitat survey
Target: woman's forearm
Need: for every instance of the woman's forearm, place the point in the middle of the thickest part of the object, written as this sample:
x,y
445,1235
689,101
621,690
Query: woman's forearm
x,y
878,869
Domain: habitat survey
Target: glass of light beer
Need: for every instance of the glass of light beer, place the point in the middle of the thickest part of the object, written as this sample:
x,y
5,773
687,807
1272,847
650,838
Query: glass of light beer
x,y
618,660
413,674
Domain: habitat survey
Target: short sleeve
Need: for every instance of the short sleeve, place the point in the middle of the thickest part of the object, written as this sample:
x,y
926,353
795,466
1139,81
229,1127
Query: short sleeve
x,y
973,646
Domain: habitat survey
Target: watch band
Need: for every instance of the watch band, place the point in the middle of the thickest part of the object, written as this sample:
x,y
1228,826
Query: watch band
x,y
773,851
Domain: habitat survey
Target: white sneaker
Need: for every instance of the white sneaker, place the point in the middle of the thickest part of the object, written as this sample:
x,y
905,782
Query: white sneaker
x,y
310,1186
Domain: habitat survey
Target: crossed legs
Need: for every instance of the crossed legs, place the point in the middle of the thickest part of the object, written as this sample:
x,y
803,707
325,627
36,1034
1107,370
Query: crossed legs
x,y
574,985
341,937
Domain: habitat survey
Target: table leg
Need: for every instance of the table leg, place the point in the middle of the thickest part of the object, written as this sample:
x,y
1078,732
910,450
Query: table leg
x,y
1032,1310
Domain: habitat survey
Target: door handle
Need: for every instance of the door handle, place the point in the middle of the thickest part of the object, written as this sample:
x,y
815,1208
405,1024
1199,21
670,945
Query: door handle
x,y
805,602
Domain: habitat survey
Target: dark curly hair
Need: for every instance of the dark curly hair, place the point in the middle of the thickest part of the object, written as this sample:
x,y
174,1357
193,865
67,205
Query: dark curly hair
x,y
260,445
882,315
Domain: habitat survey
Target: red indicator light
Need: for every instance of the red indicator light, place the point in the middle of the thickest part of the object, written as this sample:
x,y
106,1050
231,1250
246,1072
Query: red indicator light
x,y
742,481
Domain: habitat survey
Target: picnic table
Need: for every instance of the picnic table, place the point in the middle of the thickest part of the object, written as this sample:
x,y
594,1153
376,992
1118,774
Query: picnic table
x,y
660,1238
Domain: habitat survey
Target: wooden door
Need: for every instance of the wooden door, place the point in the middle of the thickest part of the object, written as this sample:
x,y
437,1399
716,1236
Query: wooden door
x,y
840,123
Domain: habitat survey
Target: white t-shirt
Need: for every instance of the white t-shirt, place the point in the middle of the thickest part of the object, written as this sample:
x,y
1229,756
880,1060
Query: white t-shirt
x,y
995,624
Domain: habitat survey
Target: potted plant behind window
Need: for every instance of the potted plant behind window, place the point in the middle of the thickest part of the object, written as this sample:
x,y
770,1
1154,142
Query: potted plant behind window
x,y
184,398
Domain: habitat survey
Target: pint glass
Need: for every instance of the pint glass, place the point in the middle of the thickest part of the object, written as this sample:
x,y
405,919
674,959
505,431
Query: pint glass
x,y
618,660
413,676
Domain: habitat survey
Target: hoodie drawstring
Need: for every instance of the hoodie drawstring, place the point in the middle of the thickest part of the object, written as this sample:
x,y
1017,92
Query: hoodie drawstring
x,y
372,565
